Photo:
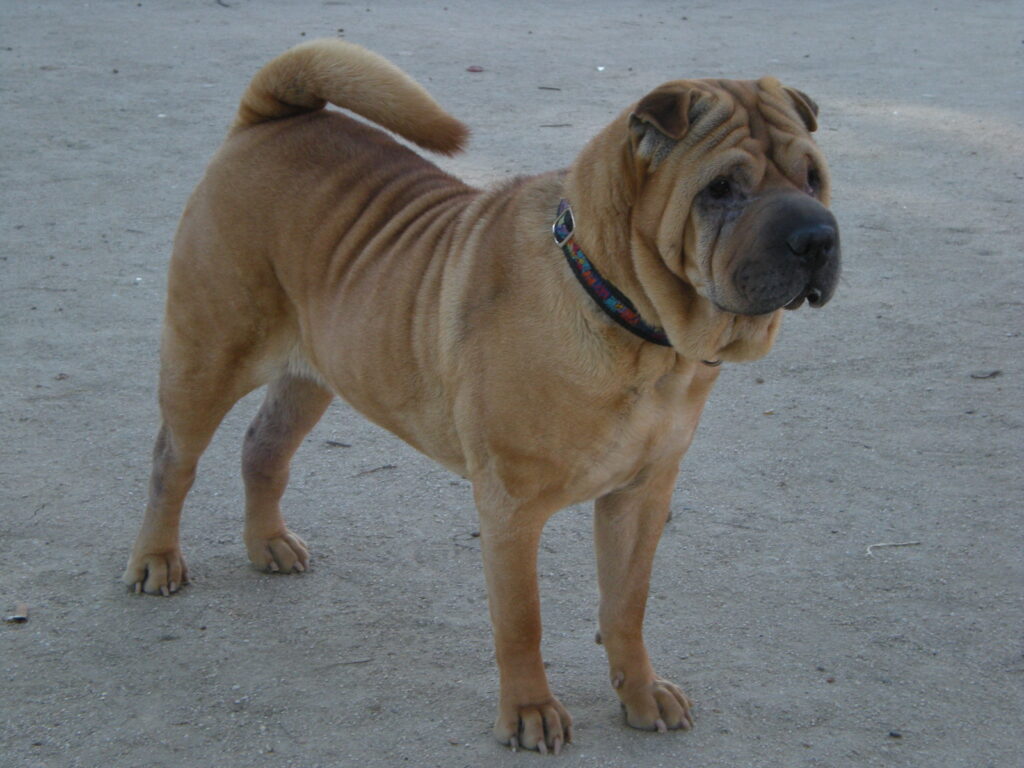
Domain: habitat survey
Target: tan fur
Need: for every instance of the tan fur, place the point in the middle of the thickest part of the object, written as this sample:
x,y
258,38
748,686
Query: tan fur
x,y
320,257
320,71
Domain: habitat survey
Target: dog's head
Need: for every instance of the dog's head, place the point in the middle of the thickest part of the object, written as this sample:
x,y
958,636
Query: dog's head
x,y
732,193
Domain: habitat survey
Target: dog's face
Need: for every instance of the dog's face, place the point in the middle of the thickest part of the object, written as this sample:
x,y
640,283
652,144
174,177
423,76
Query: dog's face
x,y
746,188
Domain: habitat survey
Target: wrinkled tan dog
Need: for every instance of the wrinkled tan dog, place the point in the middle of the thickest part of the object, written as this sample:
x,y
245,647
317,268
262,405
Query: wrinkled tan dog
x,y
320,257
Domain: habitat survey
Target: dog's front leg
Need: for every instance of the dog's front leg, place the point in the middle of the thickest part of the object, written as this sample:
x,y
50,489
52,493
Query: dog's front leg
x,y
528,715
627,526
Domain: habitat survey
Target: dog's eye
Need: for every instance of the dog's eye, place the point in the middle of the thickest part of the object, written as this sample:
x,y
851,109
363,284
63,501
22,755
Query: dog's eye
x,y
720,188
814,179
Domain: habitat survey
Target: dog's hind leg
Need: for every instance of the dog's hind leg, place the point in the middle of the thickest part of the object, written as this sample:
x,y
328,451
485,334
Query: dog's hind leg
x,y
226,331
292,407
199,383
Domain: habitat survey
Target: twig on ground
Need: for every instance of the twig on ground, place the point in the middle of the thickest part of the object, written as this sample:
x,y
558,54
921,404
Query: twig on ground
x,y
376,469
458,538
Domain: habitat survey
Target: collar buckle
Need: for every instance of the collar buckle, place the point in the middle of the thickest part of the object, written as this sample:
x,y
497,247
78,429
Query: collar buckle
x,y
564,225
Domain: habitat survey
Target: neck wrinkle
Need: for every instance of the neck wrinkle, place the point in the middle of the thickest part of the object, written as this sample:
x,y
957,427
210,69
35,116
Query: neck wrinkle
x,y
603,221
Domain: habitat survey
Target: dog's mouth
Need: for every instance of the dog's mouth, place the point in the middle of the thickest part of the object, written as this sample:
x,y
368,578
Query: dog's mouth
x,y
813,296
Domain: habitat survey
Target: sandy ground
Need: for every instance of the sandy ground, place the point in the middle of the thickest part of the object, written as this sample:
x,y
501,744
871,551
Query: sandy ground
x,y
892,416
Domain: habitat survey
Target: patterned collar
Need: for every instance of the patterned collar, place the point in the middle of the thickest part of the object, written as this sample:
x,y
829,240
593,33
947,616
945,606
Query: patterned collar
x,y
602,291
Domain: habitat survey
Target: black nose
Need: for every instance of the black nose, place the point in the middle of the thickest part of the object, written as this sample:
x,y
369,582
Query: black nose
x,y
813,243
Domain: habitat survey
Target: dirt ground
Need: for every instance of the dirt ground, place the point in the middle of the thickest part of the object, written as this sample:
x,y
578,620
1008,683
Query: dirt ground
x,y
892,416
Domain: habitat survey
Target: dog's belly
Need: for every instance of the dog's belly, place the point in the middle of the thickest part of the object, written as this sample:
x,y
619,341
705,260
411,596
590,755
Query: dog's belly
x,y
421,418
393,379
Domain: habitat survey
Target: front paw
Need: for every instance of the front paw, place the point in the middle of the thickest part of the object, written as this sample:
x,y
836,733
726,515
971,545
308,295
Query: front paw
x,y
281,553
542,726
654,705
156,573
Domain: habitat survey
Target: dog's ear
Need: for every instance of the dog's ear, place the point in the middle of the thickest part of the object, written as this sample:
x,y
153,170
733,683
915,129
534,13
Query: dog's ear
x,y
805,107
666,109
660,120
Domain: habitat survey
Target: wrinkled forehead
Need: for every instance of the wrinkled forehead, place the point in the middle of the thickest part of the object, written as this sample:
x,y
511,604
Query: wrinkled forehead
x,y
757,117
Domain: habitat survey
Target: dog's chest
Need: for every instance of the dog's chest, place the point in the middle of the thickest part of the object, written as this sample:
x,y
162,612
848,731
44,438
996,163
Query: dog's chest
x,y
587,443
653,423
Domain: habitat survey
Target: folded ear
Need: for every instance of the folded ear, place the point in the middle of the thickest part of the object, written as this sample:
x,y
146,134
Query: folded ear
x,y
805,107
666,109
660,120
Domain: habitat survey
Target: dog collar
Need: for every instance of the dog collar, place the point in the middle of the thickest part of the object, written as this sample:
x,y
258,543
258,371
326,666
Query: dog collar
x,y
612,301
603,292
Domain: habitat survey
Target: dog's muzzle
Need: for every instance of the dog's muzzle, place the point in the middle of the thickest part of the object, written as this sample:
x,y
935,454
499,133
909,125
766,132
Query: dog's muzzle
x,y
786,252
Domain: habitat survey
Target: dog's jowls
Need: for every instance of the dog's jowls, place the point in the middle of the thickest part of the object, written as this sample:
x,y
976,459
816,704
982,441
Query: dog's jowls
x,y
319,257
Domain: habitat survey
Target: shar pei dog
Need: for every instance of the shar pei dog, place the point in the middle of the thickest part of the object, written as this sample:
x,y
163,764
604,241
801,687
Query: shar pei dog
x,y
553,339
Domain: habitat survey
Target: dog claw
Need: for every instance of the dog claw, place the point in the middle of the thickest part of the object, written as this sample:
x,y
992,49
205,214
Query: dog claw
x,y
557,746
542,747
284,553
659,724
514,743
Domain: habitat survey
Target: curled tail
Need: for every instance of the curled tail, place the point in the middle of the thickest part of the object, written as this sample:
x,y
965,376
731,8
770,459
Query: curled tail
x,y
308,76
